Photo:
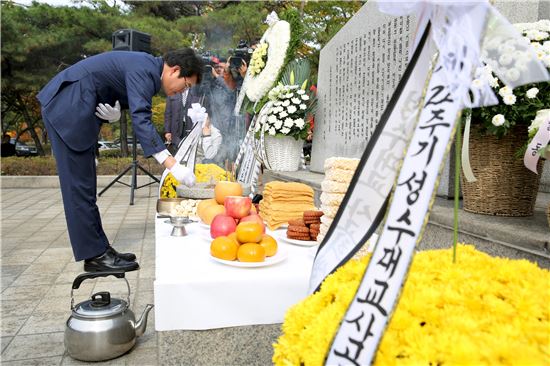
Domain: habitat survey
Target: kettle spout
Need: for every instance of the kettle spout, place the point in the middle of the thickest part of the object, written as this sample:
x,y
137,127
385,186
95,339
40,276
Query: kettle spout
x,y
142,322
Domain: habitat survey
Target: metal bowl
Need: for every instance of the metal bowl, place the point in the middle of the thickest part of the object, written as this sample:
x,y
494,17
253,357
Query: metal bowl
x,y
165,205
203,191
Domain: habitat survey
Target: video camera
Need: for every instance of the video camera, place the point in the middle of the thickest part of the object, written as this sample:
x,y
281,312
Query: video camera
x,y
209,63
242,53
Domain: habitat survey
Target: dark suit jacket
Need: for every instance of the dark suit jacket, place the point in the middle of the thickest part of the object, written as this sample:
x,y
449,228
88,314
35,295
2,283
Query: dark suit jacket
x,y
69,100
176,120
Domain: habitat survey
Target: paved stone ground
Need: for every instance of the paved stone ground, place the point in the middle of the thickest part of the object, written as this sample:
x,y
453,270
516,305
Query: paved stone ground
x,y
38,268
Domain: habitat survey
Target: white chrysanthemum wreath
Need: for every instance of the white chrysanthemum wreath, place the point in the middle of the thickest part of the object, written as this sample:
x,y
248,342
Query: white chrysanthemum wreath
x,y
277,37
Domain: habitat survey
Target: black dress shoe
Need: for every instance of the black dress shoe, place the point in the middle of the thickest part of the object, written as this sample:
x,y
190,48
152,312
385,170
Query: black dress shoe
x,y
126,256
109,261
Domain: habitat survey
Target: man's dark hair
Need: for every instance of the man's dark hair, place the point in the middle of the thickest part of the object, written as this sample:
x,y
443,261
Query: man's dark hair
x,y
187,60
6,138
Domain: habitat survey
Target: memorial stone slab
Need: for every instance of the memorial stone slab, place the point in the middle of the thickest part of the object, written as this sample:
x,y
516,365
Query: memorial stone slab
x,y
358,71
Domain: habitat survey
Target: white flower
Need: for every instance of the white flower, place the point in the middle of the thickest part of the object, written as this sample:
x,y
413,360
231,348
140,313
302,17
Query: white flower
x,y
255,87
257,127
493,82
477,84
272,131
505,91
289,95
283,114
509,99
303,106
280,109
278,103
305,97
546,46
295,100
542,116
272,119
532,93
286,103
299,122
505,59
512,74
302,92
285,130
498,120
278,124
292,109
289,122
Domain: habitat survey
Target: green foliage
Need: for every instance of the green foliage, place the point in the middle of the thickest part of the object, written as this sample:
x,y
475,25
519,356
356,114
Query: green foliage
x,y
107,165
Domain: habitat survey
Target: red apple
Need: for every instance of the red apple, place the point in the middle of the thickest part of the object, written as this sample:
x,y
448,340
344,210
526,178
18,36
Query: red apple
x,y
254,218
237,206
222,225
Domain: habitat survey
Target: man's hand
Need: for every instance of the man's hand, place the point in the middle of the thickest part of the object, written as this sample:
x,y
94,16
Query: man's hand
x,y
108,113
183,174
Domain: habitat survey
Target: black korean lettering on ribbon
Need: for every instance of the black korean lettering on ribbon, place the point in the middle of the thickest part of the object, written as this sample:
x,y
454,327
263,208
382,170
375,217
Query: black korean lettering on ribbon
x,y
374,298
438,90
401,232
393,256
413,196
405,217
434,126
424,144
359,344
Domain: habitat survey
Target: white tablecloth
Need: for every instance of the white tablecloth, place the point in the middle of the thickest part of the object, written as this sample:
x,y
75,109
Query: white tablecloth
x,y
192,291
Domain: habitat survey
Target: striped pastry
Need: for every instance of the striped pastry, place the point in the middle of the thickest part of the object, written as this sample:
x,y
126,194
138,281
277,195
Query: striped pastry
x,y
341,163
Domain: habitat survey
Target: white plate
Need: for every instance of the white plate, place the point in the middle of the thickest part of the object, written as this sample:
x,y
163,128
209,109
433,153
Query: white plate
x,y
303,243
204,225
279,257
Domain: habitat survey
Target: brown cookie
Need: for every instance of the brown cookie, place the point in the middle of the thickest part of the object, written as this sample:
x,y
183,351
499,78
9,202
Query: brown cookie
x,y
312,214
316,226
295,236
312,221
298,229
296,222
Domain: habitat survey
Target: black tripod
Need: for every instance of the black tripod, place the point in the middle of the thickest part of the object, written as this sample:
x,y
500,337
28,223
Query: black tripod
x,y
134,166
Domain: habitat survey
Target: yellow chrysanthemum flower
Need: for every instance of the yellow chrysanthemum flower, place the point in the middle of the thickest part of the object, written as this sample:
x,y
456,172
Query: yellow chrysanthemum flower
x,y
481,310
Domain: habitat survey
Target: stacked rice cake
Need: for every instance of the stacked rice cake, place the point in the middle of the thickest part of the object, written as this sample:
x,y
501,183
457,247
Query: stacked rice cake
x,y
338,175
284,201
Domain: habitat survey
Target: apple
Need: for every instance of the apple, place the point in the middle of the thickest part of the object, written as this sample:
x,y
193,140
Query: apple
x,y
222,225
254,218
237,206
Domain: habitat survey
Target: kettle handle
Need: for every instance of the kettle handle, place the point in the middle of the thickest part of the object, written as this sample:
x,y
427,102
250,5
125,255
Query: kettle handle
x,y
86,276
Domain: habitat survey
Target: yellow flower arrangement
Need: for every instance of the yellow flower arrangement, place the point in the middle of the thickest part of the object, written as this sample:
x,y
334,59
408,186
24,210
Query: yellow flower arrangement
x,y
210,172
481,310
204,173
168,189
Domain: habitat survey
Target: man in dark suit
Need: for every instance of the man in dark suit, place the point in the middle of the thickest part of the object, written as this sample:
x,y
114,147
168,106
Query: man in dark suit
x,y
73,118
177,124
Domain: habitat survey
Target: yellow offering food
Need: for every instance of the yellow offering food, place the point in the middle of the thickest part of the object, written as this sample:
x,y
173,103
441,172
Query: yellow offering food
x,y
209,172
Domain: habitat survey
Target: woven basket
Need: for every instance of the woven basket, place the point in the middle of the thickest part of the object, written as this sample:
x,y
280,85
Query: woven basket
x,y
283,153
504,186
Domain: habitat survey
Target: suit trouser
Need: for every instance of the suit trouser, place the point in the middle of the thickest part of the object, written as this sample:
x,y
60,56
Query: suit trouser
x,y
77,177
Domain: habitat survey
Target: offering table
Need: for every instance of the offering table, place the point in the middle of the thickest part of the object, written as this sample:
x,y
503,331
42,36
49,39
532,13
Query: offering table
x,y
194,292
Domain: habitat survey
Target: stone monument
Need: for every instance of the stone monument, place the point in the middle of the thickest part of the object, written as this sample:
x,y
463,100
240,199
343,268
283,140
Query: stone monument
x,y
358,71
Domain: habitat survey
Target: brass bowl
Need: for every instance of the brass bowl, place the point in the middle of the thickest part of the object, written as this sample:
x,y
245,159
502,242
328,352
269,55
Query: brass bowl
x,y
165,205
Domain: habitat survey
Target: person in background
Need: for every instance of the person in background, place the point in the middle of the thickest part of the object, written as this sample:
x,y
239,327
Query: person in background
x,y
210,142
75,103
177,123
7,148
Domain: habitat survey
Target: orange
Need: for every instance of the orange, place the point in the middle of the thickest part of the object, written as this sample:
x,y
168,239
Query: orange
x,y
203,205
251,252
269,244
226,188
233,236
249,232
211,211
224,248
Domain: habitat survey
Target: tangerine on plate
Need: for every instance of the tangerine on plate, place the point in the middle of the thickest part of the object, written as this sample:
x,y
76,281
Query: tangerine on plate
x,y
249,232
251,252
224,248
212,211
233,236
269,244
